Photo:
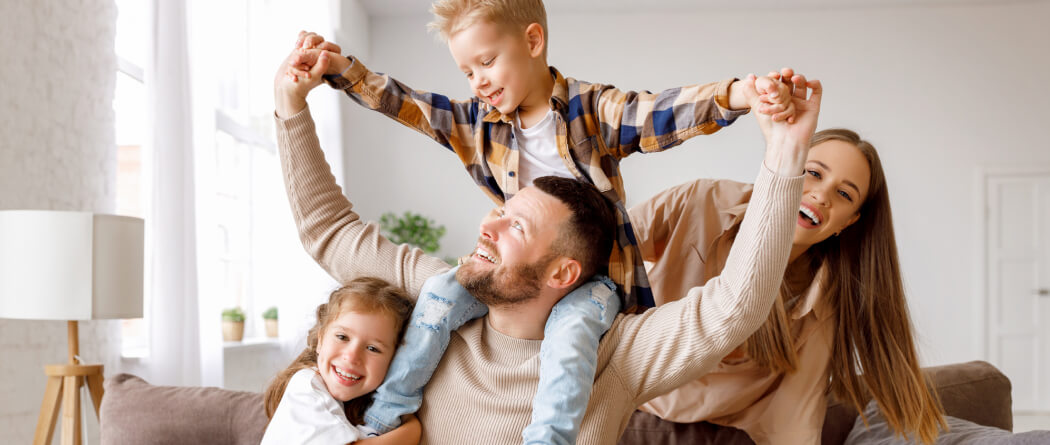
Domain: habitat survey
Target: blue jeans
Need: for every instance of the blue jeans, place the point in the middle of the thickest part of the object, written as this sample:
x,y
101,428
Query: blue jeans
x,y
568,356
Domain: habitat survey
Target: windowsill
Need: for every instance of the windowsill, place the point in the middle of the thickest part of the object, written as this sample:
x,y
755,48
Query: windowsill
x,y
252,343
134,354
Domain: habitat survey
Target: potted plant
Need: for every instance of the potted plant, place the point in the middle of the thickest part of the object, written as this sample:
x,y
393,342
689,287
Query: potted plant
x,y
233,324
270,317
413,229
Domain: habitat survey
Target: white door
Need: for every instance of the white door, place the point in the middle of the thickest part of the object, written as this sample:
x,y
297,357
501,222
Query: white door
x,y
1018,278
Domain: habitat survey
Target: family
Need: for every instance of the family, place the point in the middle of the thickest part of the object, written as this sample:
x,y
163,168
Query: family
x,y
761,299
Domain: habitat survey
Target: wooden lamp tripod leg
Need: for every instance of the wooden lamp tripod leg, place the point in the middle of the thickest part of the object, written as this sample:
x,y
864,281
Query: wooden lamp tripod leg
x,y
45,424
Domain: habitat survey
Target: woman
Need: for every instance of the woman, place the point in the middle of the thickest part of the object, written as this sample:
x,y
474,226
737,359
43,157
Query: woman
x,y
842,308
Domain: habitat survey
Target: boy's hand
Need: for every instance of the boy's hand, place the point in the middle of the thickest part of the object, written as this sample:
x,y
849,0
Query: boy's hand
x,y
774,92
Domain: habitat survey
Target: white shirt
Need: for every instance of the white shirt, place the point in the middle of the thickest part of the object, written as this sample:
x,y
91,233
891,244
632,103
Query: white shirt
x,y
538,152
308,414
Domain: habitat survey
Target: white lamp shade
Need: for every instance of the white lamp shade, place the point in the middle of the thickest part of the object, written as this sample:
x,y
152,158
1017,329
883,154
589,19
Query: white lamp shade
x,y
57,265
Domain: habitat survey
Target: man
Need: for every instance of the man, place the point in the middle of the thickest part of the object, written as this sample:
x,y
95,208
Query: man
x,y
483,388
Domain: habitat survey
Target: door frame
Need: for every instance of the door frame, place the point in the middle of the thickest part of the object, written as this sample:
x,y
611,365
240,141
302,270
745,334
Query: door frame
x,y
985,307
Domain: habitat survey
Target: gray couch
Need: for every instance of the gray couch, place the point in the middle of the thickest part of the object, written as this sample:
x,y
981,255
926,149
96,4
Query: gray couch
x,y
133,411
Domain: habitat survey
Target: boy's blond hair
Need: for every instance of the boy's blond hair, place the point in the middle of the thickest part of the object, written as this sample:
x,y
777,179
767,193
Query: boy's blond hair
x,y
452,16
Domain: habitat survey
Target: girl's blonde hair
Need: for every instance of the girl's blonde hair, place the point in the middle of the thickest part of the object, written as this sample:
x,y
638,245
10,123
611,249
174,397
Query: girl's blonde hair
x,y
873,355
362,295
452,16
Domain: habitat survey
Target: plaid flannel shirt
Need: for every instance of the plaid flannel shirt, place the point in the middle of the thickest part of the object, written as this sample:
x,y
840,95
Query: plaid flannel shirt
x,y
597,125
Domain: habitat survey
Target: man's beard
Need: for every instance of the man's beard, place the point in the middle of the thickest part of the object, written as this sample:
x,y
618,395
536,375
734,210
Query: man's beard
x,y
522,283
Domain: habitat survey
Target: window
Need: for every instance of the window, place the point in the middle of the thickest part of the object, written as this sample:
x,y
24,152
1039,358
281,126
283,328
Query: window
x,y
129,105
248,247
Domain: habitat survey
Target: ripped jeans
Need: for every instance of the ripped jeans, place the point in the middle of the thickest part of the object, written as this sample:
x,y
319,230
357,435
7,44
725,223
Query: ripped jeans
x,y
568,355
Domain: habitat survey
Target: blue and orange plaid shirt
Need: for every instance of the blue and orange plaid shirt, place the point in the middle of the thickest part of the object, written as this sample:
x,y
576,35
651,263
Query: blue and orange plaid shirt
x,y
597,125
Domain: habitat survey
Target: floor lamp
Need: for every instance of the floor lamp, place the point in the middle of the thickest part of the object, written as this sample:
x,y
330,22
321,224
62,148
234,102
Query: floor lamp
x,y
57,265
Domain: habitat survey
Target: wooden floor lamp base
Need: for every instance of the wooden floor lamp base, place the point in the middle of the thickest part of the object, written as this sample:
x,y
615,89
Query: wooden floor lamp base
x,y
63,389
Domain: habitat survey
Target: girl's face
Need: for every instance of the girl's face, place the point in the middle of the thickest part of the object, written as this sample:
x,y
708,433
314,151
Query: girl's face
x,y
837,179
354,351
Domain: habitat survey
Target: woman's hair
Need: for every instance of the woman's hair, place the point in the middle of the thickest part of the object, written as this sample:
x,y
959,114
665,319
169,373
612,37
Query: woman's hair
x,y
362,295
873,353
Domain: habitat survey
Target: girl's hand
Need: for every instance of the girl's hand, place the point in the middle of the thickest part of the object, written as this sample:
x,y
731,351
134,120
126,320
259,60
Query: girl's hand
x,y
407,434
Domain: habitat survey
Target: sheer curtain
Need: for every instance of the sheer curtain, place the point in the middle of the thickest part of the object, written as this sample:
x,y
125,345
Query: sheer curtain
x,y
176,355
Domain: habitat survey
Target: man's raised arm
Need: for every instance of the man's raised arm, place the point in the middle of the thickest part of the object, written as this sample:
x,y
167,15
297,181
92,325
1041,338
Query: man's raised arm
x,y
331,232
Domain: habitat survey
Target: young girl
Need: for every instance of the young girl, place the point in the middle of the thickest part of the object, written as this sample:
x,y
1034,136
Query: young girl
x,y
323,394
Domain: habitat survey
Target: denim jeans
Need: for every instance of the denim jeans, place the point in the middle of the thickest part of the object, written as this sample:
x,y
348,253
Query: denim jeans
x,y
568,361
568,356
442,307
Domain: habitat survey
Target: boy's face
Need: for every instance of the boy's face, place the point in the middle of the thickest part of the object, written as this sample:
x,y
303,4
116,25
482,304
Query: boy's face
x,y
354,352
497,62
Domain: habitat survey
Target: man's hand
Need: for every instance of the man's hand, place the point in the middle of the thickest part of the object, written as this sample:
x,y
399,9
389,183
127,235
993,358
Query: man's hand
x,y
312,45
290,91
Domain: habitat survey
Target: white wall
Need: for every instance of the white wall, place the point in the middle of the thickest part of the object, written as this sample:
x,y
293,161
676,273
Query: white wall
x,y
941,91
57,151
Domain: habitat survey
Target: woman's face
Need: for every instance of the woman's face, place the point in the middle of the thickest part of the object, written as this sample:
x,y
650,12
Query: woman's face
x,y
837,177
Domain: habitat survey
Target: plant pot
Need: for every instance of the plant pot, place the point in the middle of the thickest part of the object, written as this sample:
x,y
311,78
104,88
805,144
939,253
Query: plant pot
x,y
271,327
232,330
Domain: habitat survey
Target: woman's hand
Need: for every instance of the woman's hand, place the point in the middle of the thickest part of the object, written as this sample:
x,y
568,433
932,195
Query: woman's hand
x,y
787,144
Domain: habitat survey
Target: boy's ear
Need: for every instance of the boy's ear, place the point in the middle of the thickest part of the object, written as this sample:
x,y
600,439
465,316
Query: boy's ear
x,y
535,38
564,272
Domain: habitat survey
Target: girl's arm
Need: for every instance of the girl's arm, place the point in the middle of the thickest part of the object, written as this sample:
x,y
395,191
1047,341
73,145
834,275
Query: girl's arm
x,y
406,434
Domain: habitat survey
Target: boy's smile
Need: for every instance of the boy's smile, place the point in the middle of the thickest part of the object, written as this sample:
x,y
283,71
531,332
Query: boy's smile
x,y
504,68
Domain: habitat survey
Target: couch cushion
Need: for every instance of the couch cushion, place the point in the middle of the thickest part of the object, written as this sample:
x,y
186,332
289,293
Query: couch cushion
x,y
975,391
960,432
133,411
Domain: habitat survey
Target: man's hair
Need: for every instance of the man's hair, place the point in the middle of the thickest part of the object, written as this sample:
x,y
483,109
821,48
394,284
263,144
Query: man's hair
x,y
452,16
587,236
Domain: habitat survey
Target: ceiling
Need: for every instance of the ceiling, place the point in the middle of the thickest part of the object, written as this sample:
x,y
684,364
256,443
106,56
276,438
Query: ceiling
x,y
384,8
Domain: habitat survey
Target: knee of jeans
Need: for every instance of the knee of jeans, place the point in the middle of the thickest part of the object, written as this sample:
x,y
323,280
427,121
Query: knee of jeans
x,y
603,294
434,311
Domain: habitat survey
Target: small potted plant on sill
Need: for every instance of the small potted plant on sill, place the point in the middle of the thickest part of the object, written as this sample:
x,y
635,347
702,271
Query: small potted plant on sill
x,y
233,324
270,317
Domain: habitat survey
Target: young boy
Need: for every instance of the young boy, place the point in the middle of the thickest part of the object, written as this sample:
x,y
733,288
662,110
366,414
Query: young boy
x,y
527,121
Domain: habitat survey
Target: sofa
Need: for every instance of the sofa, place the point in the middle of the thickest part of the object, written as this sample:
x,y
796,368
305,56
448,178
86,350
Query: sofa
x,y
134,411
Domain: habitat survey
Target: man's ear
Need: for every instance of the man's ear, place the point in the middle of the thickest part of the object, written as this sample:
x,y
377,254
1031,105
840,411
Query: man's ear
x,y
535,38
563,273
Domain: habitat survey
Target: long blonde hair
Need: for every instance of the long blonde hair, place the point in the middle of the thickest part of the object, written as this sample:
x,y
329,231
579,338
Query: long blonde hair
x,y
873,354
364,295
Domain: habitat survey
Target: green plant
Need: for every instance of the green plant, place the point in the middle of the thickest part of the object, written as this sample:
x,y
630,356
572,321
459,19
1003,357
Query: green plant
x,y
412,228
270,314
234,314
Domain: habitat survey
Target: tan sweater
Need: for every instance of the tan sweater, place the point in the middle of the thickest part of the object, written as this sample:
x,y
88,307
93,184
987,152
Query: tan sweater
x,y
483,388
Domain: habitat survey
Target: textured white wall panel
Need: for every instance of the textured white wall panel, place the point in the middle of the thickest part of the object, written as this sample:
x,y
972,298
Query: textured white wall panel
x,y
57,151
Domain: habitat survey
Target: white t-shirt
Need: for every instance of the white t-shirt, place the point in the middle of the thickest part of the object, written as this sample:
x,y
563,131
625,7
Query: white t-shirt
x,y
538,152
308,414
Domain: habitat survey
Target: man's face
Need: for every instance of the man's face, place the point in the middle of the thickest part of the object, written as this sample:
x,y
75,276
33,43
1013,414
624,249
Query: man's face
x,y
510,261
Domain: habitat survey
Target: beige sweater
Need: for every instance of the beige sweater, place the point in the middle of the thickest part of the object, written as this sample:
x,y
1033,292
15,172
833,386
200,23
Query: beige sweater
x,y
483,388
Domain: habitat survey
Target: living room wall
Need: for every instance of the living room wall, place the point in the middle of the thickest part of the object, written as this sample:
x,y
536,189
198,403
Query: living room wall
x,y
57,152
941,90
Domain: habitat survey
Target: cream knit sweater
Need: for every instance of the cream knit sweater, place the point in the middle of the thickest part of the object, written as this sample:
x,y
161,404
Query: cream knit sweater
x,y
483,388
